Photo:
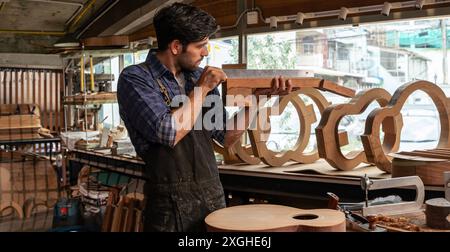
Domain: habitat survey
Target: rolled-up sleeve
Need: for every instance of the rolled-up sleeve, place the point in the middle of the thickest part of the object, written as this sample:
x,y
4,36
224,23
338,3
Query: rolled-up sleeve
x,y
142,107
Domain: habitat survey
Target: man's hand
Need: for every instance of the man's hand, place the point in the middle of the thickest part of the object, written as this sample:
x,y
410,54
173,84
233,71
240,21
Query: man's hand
x,y
211,77
279,87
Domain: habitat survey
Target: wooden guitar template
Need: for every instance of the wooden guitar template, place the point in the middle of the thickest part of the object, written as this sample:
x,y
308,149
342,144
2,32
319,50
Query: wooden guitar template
x,y
329,140
371,138
275,218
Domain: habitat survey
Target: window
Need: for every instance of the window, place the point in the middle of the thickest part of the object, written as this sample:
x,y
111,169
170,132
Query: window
x,y
308,45
222,51
383,55
110,112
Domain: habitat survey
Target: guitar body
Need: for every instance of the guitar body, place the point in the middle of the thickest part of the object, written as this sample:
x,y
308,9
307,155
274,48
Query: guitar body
x,y
274,218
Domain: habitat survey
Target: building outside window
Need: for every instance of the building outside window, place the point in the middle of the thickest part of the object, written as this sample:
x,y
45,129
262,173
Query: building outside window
x,y
384,55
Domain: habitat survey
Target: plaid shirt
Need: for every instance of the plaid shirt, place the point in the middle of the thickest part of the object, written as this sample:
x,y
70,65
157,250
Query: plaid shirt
x,y
142,107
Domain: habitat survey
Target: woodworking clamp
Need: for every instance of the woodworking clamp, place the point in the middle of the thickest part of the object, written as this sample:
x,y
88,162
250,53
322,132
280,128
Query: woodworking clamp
x,y
396,208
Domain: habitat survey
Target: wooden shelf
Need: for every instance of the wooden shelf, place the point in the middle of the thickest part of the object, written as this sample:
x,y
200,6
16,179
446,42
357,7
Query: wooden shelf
x,y
94,98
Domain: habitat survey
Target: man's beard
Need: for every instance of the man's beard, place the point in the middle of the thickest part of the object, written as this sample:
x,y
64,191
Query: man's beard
x,y
192,66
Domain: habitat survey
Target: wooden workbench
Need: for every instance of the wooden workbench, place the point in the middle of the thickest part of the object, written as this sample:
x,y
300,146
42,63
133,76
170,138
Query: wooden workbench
x,y
300,185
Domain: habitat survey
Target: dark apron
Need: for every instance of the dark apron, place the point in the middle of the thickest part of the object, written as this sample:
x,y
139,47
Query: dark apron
x,y
183,184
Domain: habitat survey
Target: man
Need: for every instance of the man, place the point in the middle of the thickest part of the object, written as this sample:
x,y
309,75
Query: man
x,y
183,184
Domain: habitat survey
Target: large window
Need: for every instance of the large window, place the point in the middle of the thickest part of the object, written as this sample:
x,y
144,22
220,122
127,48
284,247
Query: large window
x,y
222,51
375,55
308,45
109,113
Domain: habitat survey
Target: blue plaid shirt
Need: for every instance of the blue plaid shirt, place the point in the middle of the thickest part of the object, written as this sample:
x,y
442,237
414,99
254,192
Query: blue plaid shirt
x,y
142,107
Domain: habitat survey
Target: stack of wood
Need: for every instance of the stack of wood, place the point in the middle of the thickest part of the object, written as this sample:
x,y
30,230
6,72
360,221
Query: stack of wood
x,y
93,98
124,216
21,121
429,165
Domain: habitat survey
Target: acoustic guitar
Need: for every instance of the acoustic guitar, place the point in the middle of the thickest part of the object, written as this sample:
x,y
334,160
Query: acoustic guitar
x,y
274,218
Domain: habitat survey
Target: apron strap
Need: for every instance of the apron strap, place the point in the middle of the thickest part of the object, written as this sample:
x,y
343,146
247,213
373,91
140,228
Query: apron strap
x,y
162,88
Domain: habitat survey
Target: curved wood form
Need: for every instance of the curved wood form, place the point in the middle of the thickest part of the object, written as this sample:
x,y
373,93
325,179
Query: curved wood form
x,y
32,204
371,138
22,180
11,205
329,140
274,218
228,157
245,153
306,116
237,153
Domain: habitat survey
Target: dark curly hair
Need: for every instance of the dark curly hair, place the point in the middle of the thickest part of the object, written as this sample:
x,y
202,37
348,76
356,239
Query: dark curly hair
x,y
182,22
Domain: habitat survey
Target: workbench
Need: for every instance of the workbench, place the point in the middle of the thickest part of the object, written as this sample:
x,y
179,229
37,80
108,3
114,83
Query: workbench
x,y
299,185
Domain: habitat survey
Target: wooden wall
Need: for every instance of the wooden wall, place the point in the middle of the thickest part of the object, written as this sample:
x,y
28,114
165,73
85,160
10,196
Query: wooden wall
x,y
36,86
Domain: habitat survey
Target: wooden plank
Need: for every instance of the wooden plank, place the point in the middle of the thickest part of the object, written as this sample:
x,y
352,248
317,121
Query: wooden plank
x,y
3,87
440,151
35,83
39,91
52,103
7,87
33,130
129,218
102,97
254,83
44,111
234,66
407,156
116,40
108,217
332,87
321,84
9,94
22,87
138,226
19,122
21,136
117,218
429,154
30,87
16,87
429,166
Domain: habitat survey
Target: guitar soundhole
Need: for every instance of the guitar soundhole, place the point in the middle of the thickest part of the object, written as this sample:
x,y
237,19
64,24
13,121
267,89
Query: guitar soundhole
x,y
305,217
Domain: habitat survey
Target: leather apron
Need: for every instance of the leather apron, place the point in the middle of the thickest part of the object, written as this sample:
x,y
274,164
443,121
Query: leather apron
x,y
183,184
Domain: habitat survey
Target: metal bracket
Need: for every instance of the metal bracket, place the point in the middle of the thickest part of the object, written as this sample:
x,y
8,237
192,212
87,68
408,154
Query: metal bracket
x,y
396,208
